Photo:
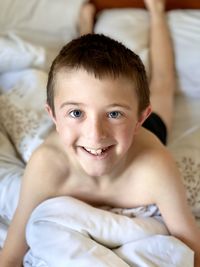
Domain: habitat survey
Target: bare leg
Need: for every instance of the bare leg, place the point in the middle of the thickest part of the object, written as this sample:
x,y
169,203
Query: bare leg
x,y
163,79
86,19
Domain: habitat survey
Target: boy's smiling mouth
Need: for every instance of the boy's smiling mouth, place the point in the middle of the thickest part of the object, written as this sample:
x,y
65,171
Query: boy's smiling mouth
x,y
97,152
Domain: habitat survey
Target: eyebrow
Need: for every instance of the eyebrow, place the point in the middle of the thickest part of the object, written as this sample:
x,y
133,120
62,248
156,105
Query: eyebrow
x,y
81,104
70,104
119,105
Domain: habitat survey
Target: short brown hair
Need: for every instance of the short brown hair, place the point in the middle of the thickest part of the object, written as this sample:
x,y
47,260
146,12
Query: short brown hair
x,y
102,56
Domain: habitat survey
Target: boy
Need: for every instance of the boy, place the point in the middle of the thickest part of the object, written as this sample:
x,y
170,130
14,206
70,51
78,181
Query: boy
x,y
98,98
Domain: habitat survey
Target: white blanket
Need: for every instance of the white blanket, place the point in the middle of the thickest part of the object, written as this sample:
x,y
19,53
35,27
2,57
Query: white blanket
x,y
64,231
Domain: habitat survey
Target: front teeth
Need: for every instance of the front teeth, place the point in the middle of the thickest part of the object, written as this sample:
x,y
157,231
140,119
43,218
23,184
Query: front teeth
x,y
95,152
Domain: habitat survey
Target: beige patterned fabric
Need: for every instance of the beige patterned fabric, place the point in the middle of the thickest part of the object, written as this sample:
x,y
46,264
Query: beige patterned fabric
x,y
22,112
188,161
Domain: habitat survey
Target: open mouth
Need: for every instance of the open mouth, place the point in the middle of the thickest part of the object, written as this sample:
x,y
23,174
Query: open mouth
x,y
97,152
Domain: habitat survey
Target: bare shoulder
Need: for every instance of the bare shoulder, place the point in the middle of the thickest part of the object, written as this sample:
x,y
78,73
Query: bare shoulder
x,y
165,182
49,152
152,153
44,177
45,174
155,167
48,163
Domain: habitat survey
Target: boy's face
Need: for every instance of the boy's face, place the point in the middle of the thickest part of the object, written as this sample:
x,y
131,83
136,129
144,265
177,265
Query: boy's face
x,y
96,119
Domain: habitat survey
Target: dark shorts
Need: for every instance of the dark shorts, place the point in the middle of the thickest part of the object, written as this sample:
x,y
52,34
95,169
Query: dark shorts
x,y
155,124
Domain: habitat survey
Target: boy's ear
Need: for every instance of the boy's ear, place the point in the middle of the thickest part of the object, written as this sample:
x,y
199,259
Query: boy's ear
x,y
143,116
50,112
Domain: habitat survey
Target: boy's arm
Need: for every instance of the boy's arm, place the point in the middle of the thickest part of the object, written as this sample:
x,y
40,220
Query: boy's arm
x,y
170,196
15,245
34,189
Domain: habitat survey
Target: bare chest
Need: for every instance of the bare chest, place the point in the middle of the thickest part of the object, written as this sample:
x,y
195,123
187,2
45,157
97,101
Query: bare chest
x,y
123,193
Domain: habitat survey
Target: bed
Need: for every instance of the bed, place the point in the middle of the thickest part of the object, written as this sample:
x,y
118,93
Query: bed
x,y
31,34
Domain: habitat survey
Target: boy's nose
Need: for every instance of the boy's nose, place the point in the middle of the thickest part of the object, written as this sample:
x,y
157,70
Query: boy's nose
x,y
95,130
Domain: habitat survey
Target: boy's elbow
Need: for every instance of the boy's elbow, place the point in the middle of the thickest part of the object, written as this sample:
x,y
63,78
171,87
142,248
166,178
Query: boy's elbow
x,y
197,259
9,263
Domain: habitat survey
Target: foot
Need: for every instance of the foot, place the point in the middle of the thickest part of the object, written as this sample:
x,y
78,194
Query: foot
x,y
86,19
155,6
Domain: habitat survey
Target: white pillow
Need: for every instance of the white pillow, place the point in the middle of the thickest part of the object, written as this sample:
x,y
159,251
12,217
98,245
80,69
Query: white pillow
x,y
185,29
129,26
46,22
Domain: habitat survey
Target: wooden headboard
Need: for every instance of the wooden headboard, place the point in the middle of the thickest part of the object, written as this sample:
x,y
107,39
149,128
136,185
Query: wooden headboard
x,y
170,4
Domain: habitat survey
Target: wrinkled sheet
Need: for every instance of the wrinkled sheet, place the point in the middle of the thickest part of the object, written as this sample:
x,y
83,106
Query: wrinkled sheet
x,y
64,231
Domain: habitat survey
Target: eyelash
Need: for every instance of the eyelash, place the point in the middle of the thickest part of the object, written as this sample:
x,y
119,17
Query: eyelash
x,y
71,113
118,116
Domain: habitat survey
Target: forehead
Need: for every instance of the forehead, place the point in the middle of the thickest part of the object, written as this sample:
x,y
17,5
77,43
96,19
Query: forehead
x,y
79,86
79,80
93,94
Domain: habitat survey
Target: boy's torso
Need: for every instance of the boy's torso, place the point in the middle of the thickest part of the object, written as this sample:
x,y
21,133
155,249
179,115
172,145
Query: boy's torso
x,y
132,188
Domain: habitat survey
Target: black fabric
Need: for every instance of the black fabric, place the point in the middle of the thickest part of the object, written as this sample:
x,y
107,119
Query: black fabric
x,y
155,124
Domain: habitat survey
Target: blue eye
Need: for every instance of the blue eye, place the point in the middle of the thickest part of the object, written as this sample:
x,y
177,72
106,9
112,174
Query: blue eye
x,y
114,114
76,113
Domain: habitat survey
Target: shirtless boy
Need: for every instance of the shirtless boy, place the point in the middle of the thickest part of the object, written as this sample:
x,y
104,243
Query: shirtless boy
x,y
98,98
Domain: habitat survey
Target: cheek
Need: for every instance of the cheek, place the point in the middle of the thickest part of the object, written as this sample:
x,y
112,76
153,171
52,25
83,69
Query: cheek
x,y
67,132
126,134
129,135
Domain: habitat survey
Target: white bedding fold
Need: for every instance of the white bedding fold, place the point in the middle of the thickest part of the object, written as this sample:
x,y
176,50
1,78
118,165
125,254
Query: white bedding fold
x,y
17,54
64,231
